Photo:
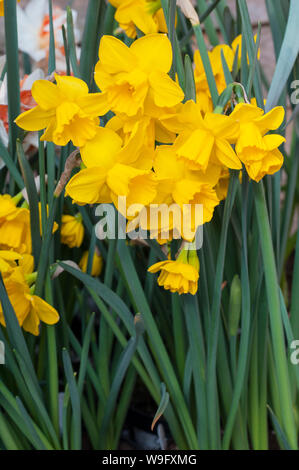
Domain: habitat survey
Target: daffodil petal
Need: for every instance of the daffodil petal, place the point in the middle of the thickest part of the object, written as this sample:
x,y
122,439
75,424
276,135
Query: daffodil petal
x,y
35,119
245,112
31,323
94,104
88,187
132,11
102,149
44,311
165,91
226,155
46,94
115,56
272,120
154,52
71,88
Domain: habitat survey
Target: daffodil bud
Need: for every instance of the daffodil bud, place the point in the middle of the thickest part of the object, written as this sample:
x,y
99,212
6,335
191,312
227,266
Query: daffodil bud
x,y
234,310
189,11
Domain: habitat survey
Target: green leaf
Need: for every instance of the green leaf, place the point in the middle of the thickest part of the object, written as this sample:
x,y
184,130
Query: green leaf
x,y
6,435
162,406
118,305
287,56
13,76
279,431
44,418
190,91
206,63
33,201
75,400
250,46
84,353
215,317
12,167
89,40
15,333
52,60
71,42
157,344
272,288
30,427
124,363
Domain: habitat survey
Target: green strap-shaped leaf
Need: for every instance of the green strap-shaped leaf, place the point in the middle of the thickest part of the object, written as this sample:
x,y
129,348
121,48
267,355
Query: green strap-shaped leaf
x,y
163,405
75,400
279,431
33,201
124,363
287,56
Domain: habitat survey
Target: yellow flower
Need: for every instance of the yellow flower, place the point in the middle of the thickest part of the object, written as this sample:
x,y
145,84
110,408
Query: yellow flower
x,y
7,260
146,15
55,225
222,185
204,141
15,229
72,230
237,43
66,109
97,263
182,190
203,96
181,275
136,78
29,308
109,174
259,152
152,125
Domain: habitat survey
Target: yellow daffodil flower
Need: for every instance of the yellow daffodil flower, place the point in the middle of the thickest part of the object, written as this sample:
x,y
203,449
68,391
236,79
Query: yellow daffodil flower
x,y
29,308
237,44
7,260
72,230
181,275
66,109
152,124
259,152
15,231
178,186
146,15
135,79
221,187
112,171
15,228
204,141
203,96
97,263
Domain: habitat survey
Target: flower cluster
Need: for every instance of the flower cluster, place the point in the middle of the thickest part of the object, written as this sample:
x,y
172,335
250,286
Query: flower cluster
x,y
16,266
157,150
